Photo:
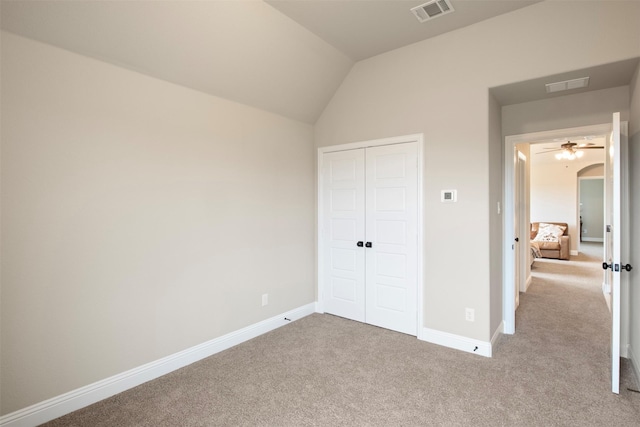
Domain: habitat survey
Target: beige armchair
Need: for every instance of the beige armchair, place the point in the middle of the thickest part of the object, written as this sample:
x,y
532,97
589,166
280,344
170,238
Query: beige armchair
x,y
549,248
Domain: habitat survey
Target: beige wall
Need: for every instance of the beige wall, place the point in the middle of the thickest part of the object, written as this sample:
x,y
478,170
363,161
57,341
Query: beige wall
x,y
634,168
495,218
563,112
440,87
139,218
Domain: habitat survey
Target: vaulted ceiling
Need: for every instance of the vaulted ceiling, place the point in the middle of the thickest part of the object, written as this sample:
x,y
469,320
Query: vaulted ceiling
x,y
287,57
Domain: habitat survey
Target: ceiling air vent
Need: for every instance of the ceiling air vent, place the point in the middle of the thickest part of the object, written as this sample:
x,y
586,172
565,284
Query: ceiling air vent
x,y
432,9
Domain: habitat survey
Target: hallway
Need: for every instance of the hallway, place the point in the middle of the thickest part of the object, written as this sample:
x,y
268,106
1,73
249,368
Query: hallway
x,y
565,310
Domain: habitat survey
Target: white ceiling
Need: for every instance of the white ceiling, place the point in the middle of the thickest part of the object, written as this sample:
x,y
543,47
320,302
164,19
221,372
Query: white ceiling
x,y
245,51
362,29
284,56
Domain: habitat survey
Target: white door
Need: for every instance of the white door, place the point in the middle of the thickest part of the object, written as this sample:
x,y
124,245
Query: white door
x,y
343,230
616,243
520,240
391,237
370,219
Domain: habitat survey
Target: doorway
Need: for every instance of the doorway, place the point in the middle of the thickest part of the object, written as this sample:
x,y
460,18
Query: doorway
x,y
511,230
616,218
591,204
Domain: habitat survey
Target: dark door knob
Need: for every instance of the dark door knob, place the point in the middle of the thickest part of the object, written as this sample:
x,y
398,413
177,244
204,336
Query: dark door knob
x,y
627,267
368,244
606,266
360,244
517,239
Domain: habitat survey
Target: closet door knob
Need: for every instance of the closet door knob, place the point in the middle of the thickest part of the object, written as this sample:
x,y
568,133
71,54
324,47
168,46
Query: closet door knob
x,y
368,244
360,244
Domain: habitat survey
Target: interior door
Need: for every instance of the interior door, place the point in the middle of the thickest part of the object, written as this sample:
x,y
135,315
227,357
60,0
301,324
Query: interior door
x,y
516,229
391,237
343,234
613,253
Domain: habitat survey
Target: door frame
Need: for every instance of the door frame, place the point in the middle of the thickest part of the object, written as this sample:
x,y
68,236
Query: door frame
x,y
510,142
419,140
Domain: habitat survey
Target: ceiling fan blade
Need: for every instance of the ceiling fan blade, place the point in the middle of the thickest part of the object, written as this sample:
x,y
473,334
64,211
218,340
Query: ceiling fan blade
x,y
591,147
550,150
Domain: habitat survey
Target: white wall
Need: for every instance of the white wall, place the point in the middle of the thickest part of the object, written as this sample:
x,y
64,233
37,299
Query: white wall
x,y
139,218
440,87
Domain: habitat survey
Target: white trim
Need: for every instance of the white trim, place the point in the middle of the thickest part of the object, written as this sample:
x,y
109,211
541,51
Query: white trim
x,y
573,252
510,142
457,342
606,288
79,398
593,239
528,282
418,138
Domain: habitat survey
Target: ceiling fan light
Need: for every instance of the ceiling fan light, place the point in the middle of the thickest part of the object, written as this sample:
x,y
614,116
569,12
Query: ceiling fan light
x,y
559,156
579,154
571,156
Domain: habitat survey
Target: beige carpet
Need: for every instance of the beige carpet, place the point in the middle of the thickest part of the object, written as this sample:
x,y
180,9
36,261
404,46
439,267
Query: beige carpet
x,y
326,371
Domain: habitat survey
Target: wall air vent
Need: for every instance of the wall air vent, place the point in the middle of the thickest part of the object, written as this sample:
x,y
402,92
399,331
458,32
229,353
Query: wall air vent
x,y
432,9
567,85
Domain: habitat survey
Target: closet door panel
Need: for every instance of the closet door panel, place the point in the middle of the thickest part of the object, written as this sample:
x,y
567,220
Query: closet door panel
x,y
343,227
391,227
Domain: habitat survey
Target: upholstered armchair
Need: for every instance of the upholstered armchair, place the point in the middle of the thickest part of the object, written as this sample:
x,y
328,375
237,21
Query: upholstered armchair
x,y
552,239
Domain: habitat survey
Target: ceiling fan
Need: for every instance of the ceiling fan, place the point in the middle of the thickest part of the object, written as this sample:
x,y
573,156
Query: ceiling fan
x,y
571,150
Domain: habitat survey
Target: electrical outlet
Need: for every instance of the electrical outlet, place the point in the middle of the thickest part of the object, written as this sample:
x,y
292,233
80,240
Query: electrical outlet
x,y
265,299
469,314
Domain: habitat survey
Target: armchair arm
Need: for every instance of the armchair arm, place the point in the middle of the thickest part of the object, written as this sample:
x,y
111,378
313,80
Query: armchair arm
x,y
565,247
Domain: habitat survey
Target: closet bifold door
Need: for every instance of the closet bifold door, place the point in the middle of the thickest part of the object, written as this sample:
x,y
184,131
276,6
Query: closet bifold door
x,y
391,200
370,207
343,231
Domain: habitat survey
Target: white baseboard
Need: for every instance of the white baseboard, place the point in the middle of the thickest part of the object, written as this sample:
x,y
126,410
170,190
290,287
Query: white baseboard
x,y
72,401
458,342
606,288
635,365
574,253
527,283
592,239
